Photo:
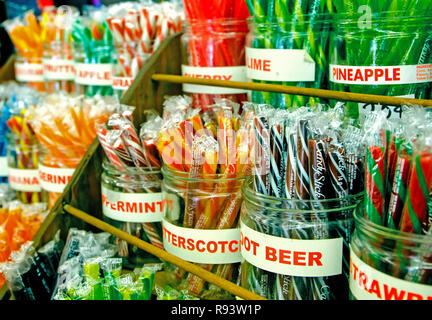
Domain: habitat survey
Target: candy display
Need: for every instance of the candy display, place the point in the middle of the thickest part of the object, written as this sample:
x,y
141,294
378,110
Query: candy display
x,y
288,44
131,181
213,47
206,158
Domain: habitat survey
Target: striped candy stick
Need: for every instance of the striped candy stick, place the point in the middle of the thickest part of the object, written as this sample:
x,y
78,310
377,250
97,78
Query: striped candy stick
x,y
262,155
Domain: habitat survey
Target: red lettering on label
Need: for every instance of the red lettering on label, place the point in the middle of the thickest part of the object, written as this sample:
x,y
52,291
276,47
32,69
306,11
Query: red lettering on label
x,y
258,64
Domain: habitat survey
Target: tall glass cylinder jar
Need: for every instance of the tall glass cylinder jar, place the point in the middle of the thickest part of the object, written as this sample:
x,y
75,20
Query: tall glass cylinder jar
x,y
200,225
296,249
383,54
93,68
59,70
388,264
214,49
29,70
23,164
132,201
291,51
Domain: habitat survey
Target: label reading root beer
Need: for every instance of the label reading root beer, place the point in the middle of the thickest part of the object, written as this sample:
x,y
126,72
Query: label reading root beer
x,y
367,283
202,246
214,73
280,65
97,74
294,257
134,207
54,179
24,179
29,72
59,69
375,75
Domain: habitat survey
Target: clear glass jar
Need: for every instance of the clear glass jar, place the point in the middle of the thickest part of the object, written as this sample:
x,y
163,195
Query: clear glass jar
x,y
93,68
292,51
29,70
388,264
129,59
296,249
384,54
59,70
23,163
132,201
214,49
200,225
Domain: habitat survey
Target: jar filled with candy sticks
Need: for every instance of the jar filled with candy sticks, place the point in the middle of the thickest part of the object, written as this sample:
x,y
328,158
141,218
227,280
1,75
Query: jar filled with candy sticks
x,y
296,218
131,183
213,47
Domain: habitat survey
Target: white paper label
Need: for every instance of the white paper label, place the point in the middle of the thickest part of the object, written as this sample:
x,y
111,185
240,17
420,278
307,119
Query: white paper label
x,y
24,179
294,257
214,73
54,179
29,72
3,167
393,112
97,74
121,83
202,246
280,65
59,69
367,283
375,75
133,207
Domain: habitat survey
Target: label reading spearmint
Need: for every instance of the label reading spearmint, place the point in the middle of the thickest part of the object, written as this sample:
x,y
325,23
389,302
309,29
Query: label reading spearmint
x,y
24,179
59,69
29,72
280,65
392,111
121,83
294,257
367,283
202,246
97,74
134,207
375,75
3,167
54,179
214,73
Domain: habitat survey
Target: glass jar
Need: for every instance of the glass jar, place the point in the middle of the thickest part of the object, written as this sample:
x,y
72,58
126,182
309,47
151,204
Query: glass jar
x,y
200,225
388,264
289,51
29,70
56,167
129,59
296,249
59,70
93,68
132,201
214,49
23,164
383,54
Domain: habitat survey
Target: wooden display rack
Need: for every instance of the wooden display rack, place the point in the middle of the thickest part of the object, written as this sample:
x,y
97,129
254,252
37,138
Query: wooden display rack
x,y
80,206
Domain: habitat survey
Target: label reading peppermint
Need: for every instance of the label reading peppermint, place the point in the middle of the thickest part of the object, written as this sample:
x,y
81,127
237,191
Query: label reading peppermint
x,y
24,179
294,257
202,246
97,74
54,179
29,72
59,69
134,207
392,111
367,283
121,83
214,73
375,75
292,65
3,167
